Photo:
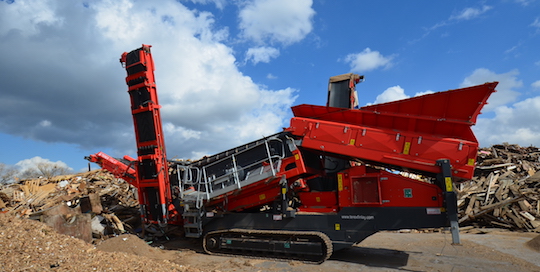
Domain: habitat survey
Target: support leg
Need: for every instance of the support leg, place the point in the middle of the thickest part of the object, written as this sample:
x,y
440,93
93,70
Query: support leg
x,y
445,178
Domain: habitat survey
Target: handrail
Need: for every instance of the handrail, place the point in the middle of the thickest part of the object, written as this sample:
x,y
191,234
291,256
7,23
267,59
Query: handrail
x,y
227,170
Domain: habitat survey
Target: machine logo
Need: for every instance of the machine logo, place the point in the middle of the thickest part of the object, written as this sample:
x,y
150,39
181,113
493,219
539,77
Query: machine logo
x,y
358,217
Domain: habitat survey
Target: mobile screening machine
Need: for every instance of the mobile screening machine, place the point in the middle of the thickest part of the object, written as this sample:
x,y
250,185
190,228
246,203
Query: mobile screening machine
x,y
328,181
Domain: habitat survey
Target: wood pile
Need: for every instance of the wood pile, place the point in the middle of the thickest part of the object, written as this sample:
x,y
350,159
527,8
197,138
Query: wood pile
x,y
94,201
505,191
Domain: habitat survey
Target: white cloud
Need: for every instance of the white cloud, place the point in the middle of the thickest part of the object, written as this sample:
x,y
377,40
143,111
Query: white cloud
x,y
45,123
470,13
368,60
220,4
33,162
395,93
208,104
423,93
26,17
463,15
516,124
506,93
524,2
536,22
271,76
536,84
183,133
261,54
391,94
280,21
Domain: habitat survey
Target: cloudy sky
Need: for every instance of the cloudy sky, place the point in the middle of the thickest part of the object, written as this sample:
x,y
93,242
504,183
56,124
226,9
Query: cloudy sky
x,y
228,71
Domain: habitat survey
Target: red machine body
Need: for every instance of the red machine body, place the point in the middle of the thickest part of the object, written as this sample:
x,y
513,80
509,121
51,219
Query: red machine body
x,y
116,167
411,133
329,180
152,168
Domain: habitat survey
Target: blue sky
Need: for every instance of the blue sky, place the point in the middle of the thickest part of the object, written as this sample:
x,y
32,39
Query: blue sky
x,y
228,71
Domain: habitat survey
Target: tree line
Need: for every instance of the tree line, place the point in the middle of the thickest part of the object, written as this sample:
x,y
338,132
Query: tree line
x,y
10,173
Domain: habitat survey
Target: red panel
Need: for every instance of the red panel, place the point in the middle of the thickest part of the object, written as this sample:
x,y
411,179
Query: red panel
x,y
378,140
254,195
367,187
329,132
366,190
461,105
443,114
318,199
386,146
400,191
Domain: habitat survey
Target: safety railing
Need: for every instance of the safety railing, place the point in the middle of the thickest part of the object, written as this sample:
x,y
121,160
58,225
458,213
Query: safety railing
x,y
230,173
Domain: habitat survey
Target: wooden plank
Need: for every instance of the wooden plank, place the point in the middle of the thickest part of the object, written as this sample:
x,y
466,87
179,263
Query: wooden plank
x,y
525,205
517,219
501,224
497,212
491,207
514,188
499,194
469,209
18,196
33,186
527,215
492,179
42,192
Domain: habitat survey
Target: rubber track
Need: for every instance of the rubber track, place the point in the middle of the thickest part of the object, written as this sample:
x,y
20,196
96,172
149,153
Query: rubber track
x,y
264,255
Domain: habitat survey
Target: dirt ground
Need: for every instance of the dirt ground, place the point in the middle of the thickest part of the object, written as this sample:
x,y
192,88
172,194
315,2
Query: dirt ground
x,y
391,251
32,246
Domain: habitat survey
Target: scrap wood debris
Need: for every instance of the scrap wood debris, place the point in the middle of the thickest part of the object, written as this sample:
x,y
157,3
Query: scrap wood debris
x,y
28,245
80,205
505,191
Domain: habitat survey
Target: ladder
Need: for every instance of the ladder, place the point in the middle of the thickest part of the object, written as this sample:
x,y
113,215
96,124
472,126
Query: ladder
x,y
192,220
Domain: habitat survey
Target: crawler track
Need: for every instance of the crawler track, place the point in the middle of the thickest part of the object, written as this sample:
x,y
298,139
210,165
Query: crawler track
x,y
307,246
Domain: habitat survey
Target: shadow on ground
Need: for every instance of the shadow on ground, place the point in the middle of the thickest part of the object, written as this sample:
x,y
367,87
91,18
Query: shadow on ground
x,y
373,257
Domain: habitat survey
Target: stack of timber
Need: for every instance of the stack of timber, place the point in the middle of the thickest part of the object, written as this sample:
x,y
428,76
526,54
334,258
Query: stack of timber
x,y
85,205
505,191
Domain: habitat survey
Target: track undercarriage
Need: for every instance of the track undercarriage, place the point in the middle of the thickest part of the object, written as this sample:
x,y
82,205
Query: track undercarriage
x,y
307,246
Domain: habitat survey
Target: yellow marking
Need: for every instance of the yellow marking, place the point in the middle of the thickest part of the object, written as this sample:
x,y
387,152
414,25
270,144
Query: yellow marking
x,y
406,148
470,162
352,141
318,199
296,156
262,197
283,191
340,182
337,226
448,182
